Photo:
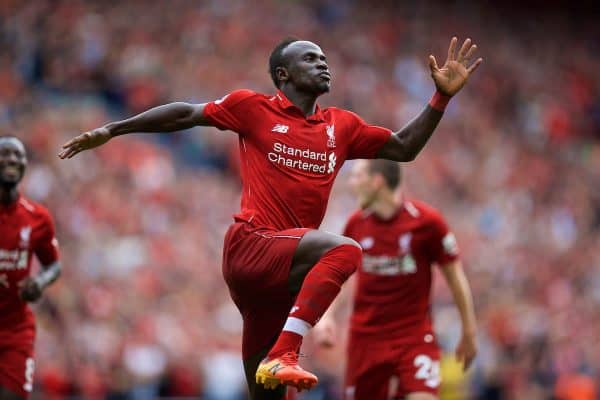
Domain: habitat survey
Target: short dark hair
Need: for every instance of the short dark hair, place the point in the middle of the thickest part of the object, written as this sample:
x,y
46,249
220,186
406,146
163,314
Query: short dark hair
x,y
390,170
277,59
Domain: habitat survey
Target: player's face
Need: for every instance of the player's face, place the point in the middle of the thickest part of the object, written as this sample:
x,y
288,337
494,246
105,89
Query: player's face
x,y
307,68
13,161
362,183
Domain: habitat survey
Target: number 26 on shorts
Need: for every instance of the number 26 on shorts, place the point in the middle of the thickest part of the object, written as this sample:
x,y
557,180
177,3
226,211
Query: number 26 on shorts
x,y
428,370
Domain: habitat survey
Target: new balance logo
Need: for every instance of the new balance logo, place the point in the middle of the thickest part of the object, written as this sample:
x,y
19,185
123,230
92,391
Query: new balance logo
x,y
25,235
275,368
280,128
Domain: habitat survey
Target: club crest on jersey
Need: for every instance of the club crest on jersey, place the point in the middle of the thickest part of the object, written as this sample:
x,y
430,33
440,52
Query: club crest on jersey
x,y
330,130
408,263
367,243
25,234
404,243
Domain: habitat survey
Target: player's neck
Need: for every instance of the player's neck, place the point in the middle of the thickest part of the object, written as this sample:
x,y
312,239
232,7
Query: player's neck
x,y
386,206
8,195
307,103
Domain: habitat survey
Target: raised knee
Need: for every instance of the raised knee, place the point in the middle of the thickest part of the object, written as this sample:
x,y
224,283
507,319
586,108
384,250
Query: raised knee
x,y
351,250
352,242
315,245
343,241
349,253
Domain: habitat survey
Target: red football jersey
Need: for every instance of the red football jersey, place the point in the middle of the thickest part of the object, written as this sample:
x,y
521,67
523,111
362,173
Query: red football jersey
x,y
25,228
289,161
392,298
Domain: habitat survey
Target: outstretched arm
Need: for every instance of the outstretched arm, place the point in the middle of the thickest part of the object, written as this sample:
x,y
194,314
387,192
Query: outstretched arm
x,y
166,118
461,291
405,144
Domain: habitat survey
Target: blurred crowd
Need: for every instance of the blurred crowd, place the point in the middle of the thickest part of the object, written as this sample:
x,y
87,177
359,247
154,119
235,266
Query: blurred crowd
x,y
142,311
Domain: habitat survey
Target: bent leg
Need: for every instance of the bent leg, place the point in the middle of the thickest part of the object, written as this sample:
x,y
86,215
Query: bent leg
x,y
256,266
322,263
311,248
265,269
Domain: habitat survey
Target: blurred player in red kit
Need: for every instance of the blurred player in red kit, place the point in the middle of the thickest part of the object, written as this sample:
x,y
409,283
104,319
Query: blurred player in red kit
x,y
26,228
281,270
391,333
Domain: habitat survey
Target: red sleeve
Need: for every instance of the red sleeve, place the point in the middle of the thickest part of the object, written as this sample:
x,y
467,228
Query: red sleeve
x,y
46,248
443,242
349,228
366,139
230,112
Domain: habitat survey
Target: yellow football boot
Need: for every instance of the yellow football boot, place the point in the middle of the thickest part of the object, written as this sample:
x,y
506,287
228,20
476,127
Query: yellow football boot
x,y
284,370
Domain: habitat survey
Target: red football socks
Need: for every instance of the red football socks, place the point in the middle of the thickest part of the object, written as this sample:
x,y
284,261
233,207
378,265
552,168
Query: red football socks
x,y
320,287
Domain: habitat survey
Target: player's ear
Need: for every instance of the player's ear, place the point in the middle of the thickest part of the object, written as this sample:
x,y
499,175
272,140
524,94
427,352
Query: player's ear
x,y
282,74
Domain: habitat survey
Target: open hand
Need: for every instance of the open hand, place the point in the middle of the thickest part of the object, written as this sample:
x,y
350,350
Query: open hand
x,y
453,75
85,141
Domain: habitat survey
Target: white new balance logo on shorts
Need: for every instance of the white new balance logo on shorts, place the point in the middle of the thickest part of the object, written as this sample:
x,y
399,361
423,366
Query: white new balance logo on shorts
x,y
280,128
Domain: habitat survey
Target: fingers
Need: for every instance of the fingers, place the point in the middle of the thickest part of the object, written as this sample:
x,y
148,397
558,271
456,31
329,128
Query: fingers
x,y
73,146
463,50
71,142
459,354
467,56
465,357
474,66
70,152
452,49
467,361
433,64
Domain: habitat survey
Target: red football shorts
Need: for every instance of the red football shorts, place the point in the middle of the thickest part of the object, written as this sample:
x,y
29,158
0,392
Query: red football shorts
x,y
376,369
16,368
256,267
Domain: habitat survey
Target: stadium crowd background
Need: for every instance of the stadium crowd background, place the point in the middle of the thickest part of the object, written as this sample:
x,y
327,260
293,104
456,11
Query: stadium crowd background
x,y
141,308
